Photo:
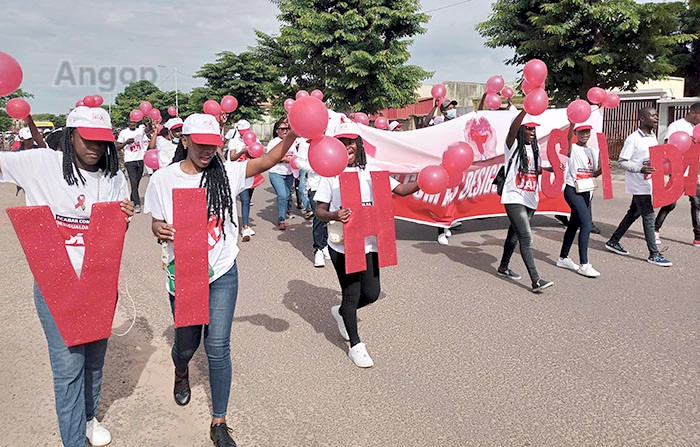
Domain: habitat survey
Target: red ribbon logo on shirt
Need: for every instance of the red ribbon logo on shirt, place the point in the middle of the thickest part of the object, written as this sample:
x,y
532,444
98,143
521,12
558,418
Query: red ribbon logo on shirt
x,y
81,202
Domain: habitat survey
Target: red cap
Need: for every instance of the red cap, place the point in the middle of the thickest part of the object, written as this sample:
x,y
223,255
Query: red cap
x,y
530,124
207,139
583,127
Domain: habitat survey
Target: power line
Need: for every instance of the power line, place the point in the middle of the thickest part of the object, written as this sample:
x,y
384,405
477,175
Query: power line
x,y
448,6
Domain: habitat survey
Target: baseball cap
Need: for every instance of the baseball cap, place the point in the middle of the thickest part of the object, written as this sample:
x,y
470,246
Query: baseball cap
x,y
173,123
346,130
25,133
446,102
582,126
93,123
529,121
394,124
203,129
243,126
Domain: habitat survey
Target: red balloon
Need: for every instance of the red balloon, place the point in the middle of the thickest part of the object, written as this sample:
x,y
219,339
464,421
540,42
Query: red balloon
x,y
80,103
172,111
293,163
696,132
433,179
361,118
535,71
136,115
212,108
249,138
536,102
10,74
328,156
150,159
438,91
578,111
381,123
301,94
308,116
256,149
527,86
18,108
288,104
317,94
455,179
611,101
681,140
596,95
99,100
155,114
495,84
507,92
89,101
493,101
458,157
229,103
145,107
667,166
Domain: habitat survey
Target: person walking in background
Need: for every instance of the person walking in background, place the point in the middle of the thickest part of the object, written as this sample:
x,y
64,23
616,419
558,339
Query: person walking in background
x,y
131,142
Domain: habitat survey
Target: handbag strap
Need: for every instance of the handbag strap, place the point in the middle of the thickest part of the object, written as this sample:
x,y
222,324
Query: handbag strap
x,y
511,160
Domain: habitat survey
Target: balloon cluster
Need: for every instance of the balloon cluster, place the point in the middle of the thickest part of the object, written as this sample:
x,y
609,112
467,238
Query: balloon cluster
x,y
145,109
598,96
456,159
536,100
495,85
90,101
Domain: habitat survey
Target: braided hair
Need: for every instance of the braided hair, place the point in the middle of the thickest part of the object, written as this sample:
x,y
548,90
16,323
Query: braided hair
x,y
215,181
523,153
360,155
108,162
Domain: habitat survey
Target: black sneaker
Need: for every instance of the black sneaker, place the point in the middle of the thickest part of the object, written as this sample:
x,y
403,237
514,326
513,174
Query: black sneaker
x,y
595,229
616,248
508,273
221,435
541,284
181,391
564,220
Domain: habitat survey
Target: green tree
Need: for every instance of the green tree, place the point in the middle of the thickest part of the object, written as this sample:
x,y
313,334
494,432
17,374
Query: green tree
x,y
143,90
5,119
586,43
355,51
57,120
687,55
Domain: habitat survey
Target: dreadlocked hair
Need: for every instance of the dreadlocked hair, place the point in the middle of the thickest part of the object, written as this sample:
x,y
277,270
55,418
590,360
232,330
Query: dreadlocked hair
x,y
215,181
523,153
108,162
360,155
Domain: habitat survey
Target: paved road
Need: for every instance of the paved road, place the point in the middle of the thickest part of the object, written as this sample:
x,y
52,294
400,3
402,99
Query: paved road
x,y
463,357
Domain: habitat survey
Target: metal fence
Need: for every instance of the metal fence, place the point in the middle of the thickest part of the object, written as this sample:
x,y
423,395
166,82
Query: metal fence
x,y
618,123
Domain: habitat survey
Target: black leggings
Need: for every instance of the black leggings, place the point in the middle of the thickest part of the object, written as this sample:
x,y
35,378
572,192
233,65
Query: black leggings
x,y
359,289
135,171
580,204
520,232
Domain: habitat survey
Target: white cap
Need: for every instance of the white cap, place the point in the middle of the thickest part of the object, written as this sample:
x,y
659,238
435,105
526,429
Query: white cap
x,y
25,133
346,129
173,123
203,129
93,123
242,125
394,124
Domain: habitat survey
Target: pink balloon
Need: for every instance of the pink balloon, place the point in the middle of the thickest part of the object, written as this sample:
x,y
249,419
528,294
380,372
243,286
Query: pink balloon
x,y
438,91
535,71
229,103
578,111
288,104
458,157
455,179
361,118
328,156
136,115
172,111
308,116
696,132
249,138
493,101
256,149
611,101
10,74
317,94
301,94
681,140
381,123
507,92
18,108
495,84
293,163
667,166
596,95
89,101
212,108
99,100
155,114
433,179
150,159
536,102
527,87
145,107
80,103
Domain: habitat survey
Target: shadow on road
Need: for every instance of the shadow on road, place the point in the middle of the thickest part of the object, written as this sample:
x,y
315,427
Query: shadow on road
x,y
270,323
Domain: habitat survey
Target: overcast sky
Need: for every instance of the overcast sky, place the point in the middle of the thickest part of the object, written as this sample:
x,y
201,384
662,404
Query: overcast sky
x,y
129,34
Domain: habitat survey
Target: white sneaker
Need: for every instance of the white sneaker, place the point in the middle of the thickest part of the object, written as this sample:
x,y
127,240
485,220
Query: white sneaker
x,y
448,232
325,252
96,433
589,271
335,311
442,239
567,263
247,233
360,356
657,238
319,259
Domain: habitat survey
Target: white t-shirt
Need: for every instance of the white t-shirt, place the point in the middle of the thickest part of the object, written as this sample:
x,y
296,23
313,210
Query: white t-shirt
x,y
312,178
521,187
159,203
329,192
136,150
582,163
40,173
166,151
636,150
280,168
680,125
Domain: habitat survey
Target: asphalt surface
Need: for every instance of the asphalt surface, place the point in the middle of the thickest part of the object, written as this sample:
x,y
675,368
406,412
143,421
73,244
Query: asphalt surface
x,y
462,357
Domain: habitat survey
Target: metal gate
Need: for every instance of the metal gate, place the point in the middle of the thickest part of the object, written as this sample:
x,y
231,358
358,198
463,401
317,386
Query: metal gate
x,y
620,122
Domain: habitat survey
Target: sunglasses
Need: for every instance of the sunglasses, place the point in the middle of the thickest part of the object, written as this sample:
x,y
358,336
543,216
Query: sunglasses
x,y
283,128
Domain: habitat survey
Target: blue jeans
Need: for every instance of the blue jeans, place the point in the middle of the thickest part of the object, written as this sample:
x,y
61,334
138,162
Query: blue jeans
x,y
283,185
217,339
580,220
302,190
319,227
245,197
77,377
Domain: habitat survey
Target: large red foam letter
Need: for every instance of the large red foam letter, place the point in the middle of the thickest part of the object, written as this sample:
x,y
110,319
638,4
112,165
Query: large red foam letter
x,y
83,308
549,188
691,159
666,194
376,219
605,166
191,257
